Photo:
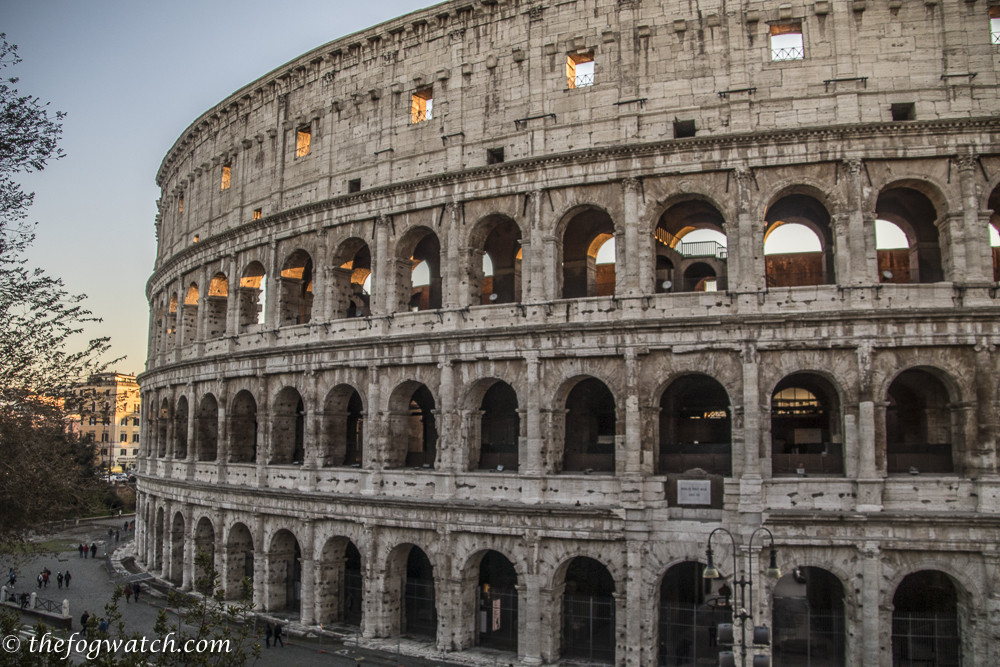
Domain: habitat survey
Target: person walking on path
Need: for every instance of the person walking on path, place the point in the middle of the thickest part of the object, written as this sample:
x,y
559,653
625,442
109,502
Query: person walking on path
x,y
25,598
59,579
111,533
128,592
84,618
67,578
135,591
39,580
93,549
11,577
81,549
268,633
117,535
45,577
125,528
277,636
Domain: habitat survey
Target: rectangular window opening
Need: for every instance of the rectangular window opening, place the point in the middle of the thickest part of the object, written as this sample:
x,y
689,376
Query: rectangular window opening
x,y
302,139
684,129
258,213
227,176
786,42
903,111
422,106
494,156
354,185
180,206
995,24
579,70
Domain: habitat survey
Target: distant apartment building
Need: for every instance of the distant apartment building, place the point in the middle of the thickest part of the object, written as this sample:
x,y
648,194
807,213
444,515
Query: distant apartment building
x,y
110,406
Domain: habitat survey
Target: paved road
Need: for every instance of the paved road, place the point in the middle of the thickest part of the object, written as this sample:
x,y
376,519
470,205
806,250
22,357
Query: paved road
x,y
92,587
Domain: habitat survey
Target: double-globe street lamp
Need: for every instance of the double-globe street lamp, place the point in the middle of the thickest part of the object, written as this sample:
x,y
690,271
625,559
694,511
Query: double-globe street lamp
x,y
761,633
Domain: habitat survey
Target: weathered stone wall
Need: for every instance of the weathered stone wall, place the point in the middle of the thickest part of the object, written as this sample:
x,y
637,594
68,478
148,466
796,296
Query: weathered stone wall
x,y
808,141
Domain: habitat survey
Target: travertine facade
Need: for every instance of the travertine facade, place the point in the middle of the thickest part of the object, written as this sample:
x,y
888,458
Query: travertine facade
x,y
500,457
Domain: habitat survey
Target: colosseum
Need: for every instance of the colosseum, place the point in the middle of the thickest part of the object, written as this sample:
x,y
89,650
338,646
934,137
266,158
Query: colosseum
x,y
483,325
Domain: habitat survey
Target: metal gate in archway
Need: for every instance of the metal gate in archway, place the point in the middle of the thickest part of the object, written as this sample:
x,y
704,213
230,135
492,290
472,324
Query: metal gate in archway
x,y
421,613
687,634
497,621
925,639
589,627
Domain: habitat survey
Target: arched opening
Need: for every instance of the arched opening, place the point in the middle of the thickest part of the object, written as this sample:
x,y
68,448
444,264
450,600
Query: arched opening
x,y
181,429
691,608
343,427
808,619
204,542
412,427
798,243
288,428
588,611
284,568
916,216
339,592
158,344
496,623
296,289
243,429
163,428
691,249
207,428
806,437
158,532
591,426
500,280
418,279
216,306
252,296
893,249
918,424
585,233
500,428
419,608
189,318
994,234
171,341
239,562
175,568
696,427
925,628
351,292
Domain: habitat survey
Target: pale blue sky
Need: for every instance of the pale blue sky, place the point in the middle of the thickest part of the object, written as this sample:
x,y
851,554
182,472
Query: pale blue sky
x,y
132,76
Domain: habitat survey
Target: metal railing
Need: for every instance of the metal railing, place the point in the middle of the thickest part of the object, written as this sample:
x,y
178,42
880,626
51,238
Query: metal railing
x,y
922,639
702,249
687,634
581,81
48,605
789,53
807,638
925,458
995,37
812,459
589,627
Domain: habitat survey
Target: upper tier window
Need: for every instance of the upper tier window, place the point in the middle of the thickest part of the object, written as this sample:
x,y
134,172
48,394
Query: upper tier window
x,y
786,42
422,106
227,176
995,24
579,70
302,140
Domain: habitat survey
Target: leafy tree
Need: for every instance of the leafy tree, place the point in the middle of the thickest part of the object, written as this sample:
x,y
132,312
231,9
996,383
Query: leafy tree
x,y
45,472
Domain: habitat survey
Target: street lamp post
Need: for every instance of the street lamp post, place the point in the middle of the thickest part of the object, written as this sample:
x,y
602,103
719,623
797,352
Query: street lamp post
x,y
761,634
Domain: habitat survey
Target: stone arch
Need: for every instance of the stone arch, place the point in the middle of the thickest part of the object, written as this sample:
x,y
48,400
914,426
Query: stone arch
x,y
993,205
923,422
252,296
907,204
239,562
243,428
181,428
295,289
587,610
175,566
216,306
284,573
499,237
418,244
343,427
288,415
677,261
171,330
801,205
412,427
163,423
696,426
189,316
409,586
204,543
207,429
928,599
808,615
159,533
494,429
582,231
340,592
495,602
591,426
352,267
806,425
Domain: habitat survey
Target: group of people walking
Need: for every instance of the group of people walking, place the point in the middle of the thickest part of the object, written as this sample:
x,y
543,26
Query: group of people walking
x,y
84,550
43,578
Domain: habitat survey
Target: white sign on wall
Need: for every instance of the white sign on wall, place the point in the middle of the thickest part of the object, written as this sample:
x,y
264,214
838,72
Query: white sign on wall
x,y
694,492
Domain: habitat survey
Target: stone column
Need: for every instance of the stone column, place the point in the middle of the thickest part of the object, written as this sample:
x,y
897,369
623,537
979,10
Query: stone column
x,y
453,267
448,442
870,473
749,268
307,600
859,264
532,259
531,611
628,259
233,298
190,529
991,560
263,430
873,650
222,442
636,641
530,462
272,288
384,293
751,482
986,430
374,425
259,564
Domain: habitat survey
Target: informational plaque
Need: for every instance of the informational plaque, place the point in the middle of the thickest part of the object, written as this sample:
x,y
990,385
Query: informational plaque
x,y
694,492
